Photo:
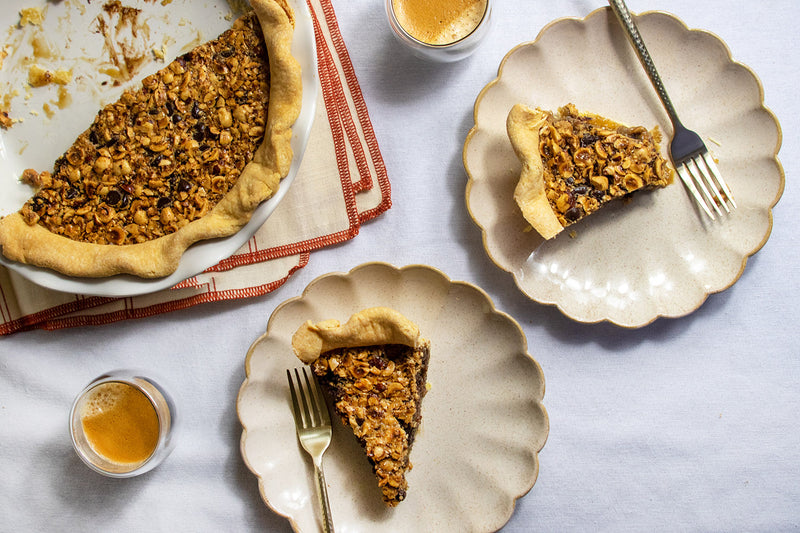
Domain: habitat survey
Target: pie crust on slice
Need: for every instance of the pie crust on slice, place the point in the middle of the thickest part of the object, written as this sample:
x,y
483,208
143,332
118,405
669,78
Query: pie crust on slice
x,y
187,156
374,368
575,163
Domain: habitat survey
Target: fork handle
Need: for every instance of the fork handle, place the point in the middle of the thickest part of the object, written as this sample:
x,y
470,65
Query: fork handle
x,y
621,11
322,495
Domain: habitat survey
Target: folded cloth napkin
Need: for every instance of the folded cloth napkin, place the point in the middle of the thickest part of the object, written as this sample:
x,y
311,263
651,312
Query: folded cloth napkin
x,y
322,207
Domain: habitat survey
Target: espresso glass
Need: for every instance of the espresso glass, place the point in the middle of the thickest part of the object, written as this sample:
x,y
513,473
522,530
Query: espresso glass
x,y
447,52
159,399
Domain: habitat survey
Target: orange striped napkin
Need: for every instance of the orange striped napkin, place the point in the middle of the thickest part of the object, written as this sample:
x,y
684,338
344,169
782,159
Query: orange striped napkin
x,y
321,208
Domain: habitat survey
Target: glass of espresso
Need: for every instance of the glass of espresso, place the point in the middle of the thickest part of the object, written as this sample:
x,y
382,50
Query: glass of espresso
x,y
440,30
122,424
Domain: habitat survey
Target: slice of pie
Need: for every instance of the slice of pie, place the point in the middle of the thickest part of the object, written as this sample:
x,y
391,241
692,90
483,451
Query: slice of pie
x,y
187,156
575,163
374,368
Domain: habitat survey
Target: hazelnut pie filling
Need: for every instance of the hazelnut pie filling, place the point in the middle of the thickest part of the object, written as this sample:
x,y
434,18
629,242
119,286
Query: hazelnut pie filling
x,y
574,163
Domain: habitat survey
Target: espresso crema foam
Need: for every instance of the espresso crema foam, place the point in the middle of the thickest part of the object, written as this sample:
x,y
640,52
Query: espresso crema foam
x,y
120,423
439,22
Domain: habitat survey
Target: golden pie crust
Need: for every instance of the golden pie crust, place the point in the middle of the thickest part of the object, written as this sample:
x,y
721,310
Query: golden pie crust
x,y
24,240
574,163
376,325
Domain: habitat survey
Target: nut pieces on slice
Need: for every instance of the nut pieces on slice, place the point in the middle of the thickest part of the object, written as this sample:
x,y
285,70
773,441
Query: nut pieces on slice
x,y
574,163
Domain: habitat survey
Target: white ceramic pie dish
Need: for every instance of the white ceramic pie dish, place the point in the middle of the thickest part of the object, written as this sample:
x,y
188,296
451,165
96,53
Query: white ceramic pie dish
x,y
656,256
483,418
40,139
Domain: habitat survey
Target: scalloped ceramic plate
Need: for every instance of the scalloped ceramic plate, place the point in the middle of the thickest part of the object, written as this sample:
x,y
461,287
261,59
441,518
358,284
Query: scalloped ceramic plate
x,y
657,255
40,139
483,418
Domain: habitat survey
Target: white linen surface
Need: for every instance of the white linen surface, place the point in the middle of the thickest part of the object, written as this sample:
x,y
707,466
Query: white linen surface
x,y
687,424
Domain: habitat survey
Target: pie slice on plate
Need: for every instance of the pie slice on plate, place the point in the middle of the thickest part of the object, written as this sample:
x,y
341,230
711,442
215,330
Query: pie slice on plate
x,y
574,163
374,368
187,156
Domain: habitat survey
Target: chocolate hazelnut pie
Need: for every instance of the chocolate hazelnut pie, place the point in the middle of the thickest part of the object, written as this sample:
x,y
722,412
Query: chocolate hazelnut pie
x,y
574,163
187,156
374,369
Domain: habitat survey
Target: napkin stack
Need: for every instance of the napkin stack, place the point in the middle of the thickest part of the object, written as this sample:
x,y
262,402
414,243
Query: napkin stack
x,y
341,184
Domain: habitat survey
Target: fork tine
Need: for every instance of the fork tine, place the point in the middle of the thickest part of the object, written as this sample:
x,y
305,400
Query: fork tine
x,y
302,416
313,404
688,180
308,419
322,407
717,175
717,198
298,417
701,178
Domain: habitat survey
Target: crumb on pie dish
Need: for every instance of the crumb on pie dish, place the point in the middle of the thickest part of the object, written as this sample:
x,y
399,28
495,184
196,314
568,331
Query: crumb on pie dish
x,y
187,156
374,369
574,163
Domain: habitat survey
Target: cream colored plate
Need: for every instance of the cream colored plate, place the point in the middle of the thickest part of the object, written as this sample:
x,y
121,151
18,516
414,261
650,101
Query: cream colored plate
x,y
47,130
658,255
483,418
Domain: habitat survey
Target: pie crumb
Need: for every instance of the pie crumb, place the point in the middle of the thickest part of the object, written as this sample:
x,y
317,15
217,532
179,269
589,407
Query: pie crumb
x,y
39,76
31,15
5,121
160,53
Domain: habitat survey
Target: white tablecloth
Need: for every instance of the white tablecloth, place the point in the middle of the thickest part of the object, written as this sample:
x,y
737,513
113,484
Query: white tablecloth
x,y
687,424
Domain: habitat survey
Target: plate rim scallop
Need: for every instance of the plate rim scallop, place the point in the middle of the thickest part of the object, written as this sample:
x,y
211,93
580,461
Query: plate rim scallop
x,y
507,513
471,180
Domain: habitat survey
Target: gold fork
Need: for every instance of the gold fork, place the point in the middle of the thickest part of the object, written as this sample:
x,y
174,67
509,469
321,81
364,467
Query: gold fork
x,y
694,164
313,424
